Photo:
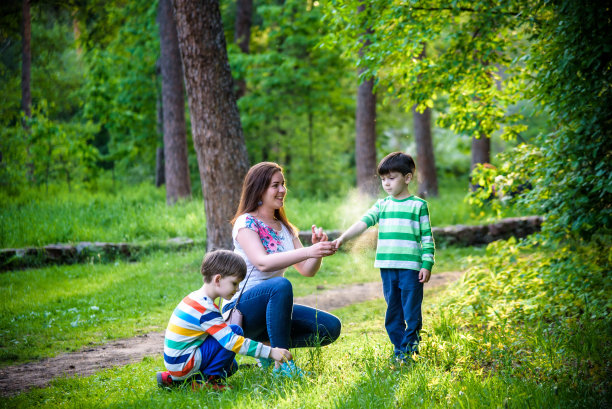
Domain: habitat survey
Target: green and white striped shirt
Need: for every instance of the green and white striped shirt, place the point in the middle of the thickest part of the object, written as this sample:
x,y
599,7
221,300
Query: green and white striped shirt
x,y
404,233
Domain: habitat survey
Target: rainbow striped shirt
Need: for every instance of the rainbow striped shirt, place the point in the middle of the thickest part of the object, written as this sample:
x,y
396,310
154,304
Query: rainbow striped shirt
x,y
193,320
404,233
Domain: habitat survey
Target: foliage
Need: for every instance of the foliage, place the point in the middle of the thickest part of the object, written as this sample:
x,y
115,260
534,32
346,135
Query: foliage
x,y
297,110
568,169
121,48
539,315
467,67
54,146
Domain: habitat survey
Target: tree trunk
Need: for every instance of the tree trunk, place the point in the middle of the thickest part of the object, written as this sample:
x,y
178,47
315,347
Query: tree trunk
x,y
176,163
26,76
160,177
26,59
426,163
365,138
481,153
216,128
242,34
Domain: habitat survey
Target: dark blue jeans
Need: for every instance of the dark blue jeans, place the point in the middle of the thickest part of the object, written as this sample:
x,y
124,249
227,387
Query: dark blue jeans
x,y
216,360
270,315
403,321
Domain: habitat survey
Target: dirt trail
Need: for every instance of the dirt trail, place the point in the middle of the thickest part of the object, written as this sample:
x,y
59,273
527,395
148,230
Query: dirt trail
x,y
18,378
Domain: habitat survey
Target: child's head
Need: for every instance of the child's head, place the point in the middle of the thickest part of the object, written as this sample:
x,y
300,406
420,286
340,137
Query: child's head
x,y
396,162
223,262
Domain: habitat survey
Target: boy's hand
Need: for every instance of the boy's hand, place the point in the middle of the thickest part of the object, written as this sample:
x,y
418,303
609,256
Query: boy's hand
x,y
281,355
318,234
338,242
424,275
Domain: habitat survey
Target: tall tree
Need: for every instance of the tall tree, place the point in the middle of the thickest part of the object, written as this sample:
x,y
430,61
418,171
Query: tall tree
x,y
426,163
365,124
26,76
242,34
26,59
176,164
481,153
216,128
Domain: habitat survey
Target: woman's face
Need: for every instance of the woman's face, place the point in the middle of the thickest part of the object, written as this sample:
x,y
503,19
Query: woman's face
x,y
274,196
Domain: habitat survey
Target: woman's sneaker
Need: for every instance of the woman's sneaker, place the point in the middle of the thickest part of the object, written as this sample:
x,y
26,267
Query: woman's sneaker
x,y
288,370
265,363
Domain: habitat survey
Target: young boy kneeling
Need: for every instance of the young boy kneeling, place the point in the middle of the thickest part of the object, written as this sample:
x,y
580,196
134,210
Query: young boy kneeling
x,y
199,345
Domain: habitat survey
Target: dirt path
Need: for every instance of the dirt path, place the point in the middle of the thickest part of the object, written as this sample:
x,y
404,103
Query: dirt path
x,y
18,378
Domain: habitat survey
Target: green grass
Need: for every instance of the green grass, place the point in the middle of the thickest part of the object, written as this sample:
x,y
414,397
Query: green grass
x,y
56,309
139,214
133,214
354,372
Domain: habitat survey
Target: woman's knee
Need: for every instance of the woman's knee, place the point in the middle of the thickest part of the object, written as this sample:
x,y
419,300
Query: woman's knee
x,y
334,328
282,286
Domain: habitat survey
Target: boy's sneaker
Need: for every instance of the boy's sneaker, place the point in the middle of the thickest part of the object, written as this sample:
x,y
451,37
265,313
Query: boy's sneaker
x,y
403,359
288,370
164,380
212,383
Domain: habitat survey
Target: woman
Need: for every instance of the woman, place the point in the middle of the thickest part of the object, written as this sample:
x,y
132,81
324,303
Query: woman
x,y
269,244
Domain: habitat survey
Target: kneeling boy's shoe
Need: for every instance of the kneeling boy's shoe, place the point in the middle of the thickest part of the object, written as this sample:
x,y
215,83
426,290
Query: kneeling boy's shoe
x,y
164,380
212,383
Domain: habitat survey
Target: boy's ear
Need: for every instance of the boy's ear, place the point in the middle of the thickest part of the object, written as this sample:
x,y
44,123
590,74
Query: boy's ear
x,y
216,278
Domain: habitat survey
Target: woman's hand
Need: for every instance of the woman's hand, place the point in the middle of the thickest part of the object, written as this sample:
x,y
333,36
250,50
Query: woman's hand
x,y
318,234
321,249
281,355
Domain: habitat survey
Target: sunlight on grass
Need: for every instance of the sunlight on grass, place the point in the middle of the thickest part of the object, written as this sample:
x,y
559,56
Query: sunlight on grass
x,y
354,372
140,214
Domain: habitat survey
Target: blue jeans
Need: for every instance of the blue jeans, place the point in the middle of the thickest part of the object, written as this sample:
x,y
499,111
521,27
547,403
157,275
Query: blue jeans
x,y
403,321
216,360
270,315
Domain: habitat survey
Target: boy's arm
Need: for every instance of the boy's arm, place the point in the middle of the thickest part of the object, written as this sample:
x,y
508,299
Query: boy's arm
x,y
427,240
352,232
212,322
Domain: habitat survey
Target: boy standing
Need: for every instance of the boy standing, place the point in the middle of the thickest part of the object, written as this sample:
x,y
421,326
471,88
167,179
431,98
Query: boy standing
x,y
405,251
199,345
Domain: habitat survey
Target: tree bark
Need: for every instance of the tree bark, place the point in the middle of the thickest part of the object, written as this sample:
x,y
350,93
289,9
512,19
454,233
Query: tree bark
x,y
176,163
426,163
216,128
242,35
365,138
481,153
26,59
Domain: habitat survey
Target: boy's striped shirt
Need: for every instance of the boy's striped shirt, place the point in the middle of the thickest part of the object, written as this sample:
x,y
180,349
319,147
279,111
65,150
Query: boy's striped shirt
x,y
193,320
404,233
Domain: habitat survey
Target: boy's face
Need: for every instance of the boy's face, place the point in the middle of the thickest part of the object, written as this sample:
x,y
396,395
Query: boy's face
x,y
227,286
396,184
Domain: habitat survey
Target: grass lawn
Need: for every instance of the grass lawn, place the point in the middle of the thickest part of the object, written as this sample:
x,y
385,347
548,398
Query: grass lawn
x,y
354,372
56,309
139,214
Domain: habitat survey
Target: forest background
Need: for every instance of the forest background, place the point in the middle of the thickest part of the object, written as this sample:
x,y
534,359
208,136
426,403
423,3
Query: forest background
x,y
532,78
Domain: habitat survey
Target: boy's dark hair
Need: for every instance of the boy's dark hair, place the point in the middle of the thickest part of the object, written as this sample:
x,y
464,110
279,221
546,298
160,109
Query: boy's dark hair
x,y
396,162
224,262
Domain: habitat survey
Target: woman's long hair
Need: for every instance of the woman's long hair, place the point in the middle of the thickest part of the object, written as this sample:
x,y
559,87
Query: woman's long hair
x,y
256,182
